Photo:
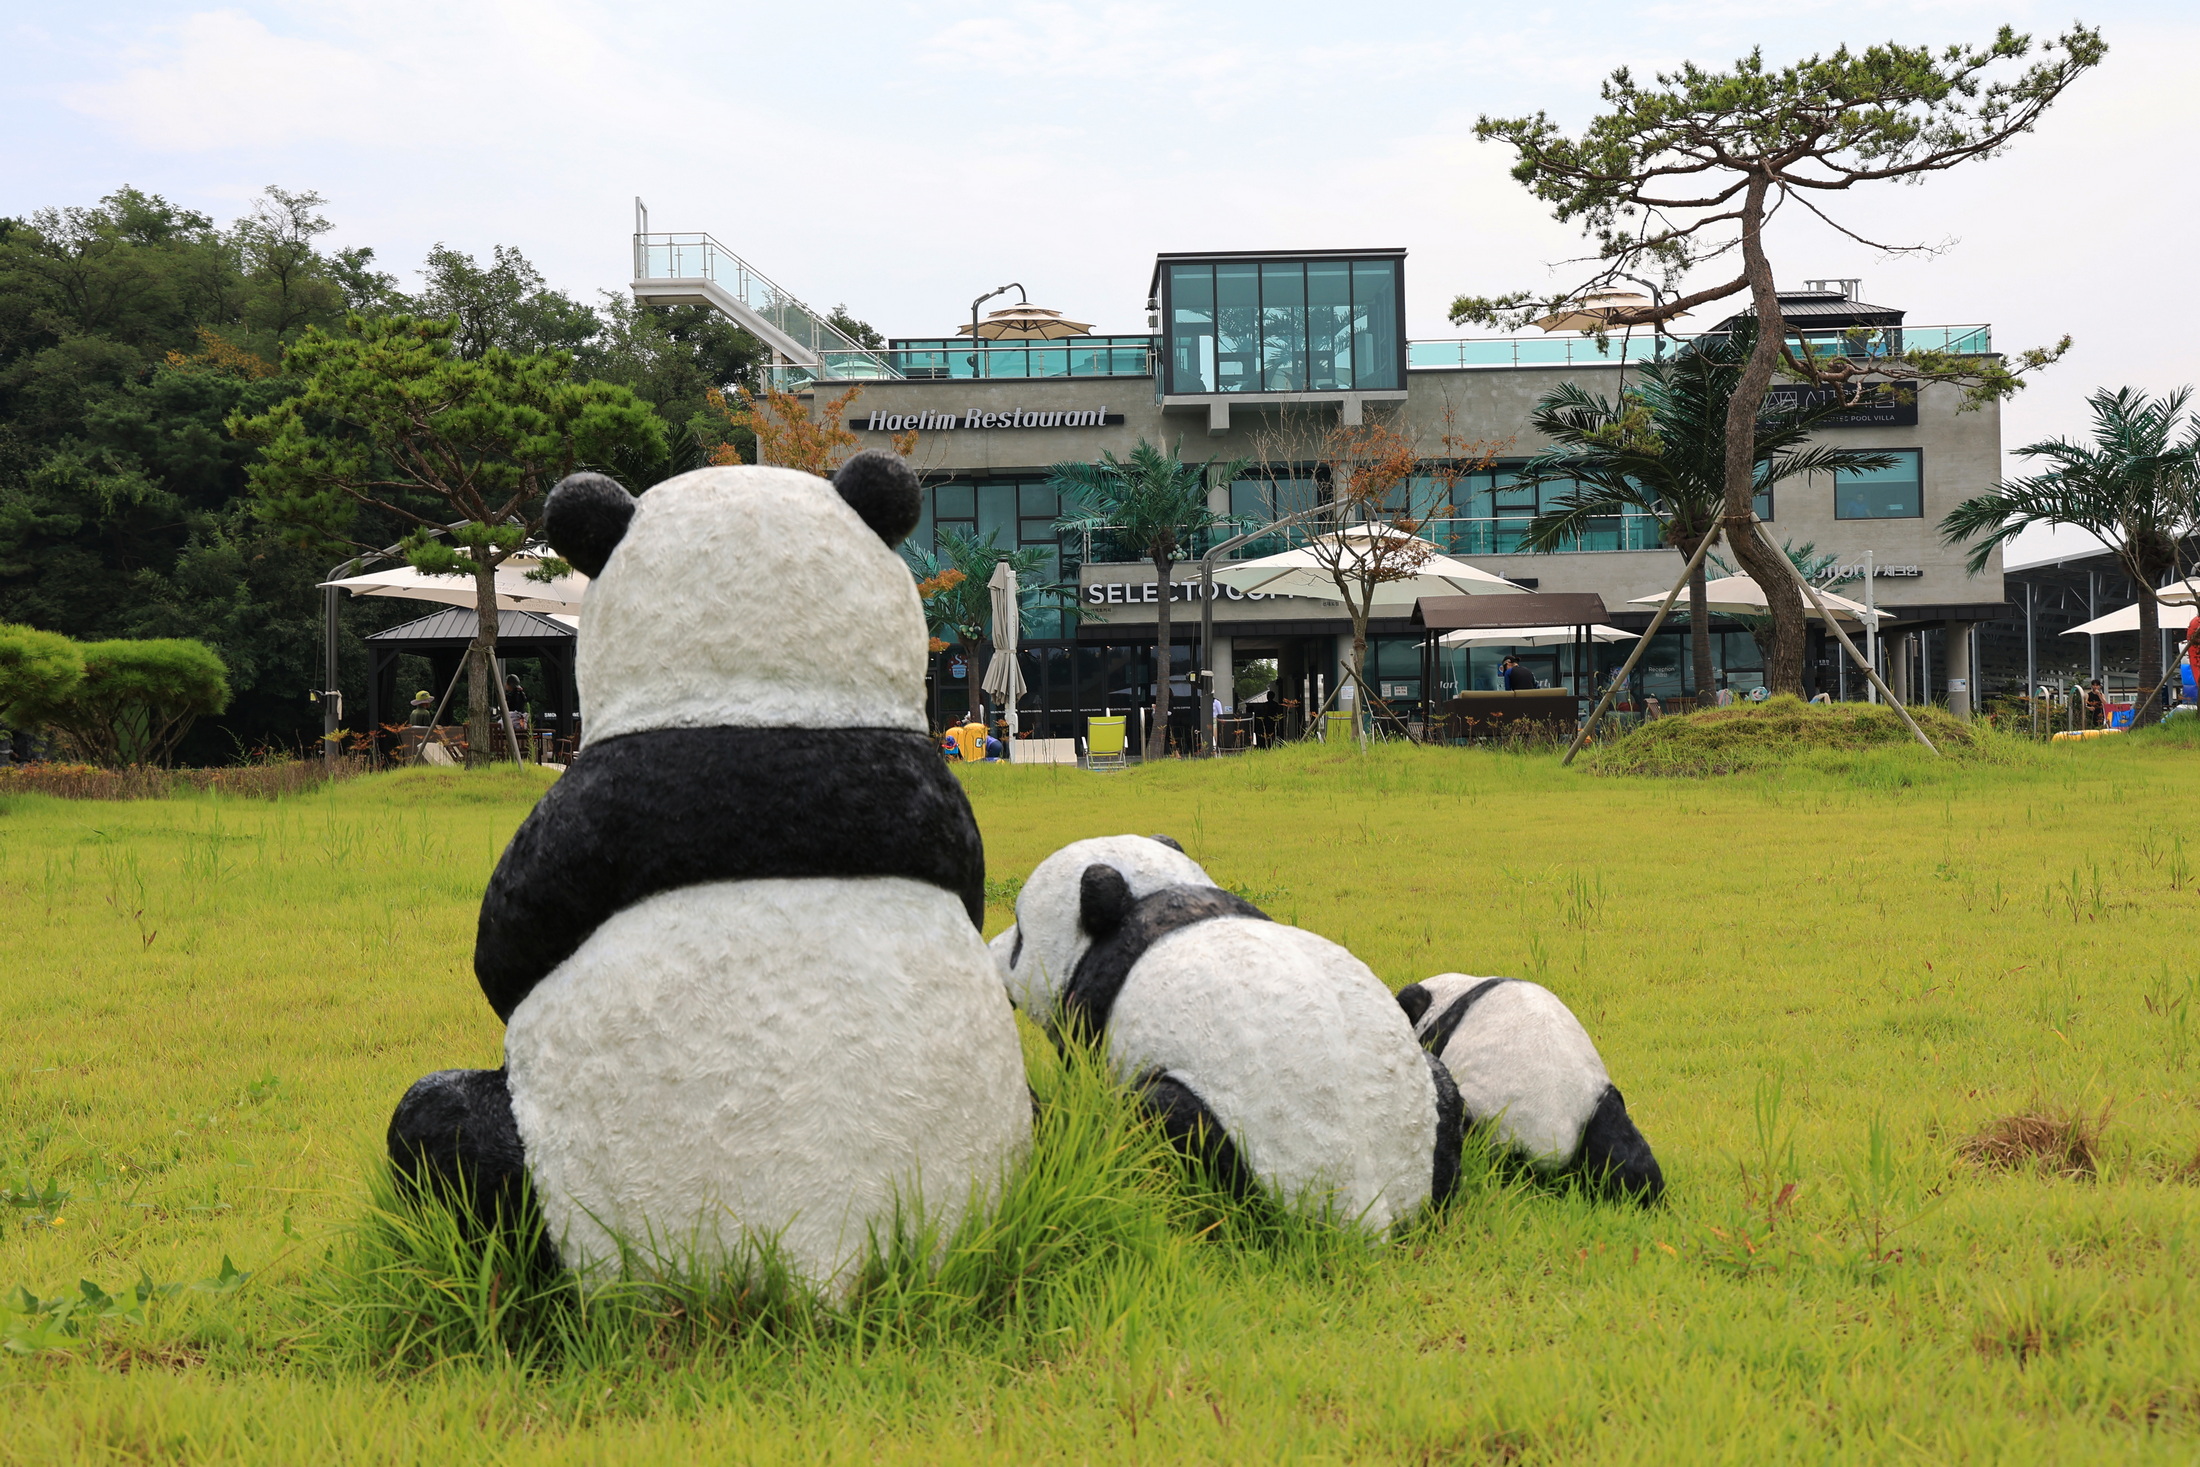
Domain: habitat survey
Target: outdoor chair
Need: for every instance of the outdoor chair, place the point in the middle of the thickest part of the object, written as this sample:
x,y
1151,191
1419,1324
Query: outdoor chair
x,y
1104,743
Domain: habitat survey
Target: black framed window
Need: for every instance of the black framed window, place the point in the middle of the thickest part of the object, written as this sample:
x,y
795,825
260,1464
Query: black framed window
x,y
1282,325
1893,493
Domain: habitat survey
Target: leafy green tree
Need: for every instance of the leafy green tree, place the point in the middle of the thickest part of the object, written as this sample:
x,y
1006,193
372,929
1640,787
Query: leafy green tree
x,y
2135,487
1660,450
1154,505
135,700
504,305
1688,171
464,450
38,672
958,606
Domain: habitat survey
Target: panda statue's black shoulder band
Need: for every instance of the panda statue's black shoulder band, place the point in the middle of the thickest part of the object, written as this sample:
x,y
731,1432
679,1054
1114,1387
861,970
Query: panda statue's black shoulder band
x,y
1438,1034
1098,978
649,812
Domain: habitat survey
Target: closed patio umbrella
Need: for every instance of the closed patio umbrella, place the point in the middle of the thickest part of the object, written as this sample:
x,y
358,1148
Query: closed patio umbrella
x,y
1004,680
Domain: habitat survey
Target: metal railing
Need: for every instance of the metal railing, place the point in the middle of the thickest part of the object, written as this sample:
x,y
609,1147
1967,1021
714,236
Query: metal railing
x,y
1587,351
700,257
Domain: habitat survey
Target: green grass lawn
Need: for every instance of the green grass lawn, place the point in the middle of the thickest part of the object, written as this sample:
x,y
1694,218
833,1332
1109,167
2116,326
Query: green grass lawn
x,y
1815,985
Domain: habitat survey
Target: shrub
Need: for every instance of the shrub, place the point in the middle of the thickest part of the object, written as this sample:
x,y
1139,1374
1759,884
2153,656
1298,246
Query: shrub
x,y
38,671
138,699
1747,736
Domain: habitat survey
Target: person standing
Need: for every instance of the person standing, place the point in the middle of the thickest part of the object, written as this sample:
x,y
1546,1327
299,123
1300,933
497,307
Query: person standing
x,y
2096,705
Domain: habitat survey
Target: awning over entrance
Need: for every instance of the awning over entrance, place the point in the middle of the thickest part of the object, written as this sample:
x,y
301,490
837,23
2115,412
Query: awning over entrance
x,y
1530,609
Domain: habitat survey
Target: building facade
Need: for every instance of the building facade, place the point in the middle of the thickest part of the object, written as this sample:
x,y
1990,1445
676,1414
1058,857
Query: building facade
x,y
1255,357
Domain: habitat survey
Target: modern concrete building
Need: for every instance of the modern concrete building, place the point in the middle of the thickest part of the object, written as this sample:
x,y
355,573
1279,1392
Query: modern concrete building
x,y
1256,356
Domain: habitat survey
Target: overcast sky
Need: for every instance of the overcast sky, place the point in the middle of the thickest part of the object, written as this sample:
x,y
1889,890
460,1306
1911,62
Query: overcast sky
x,y
905,157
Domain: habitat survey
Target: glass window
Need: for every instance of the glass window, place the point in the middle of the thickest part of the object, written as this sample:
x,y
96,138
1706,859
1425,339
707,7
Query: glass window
x,y
1375,324
1892,493
1035,499
997,512
1191,328
1237,328
1328,324
956,501
1283,327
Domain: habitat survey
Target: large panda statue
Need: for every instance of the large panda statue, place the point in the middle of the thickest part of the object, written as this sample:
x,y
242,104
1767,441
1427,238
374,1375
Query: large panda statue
x,y
1269,1049
1527,1069
736,946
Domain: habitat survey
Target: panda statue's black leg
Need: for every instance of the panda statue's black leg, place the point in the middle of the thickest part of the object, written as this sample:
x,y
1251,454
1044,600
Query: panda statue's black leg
x,y
453,1139
1614,1157
1451,1131
1185,1119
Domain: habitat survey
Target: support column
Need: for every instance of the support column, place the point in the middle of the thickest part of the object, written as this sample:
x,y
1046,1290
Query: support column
x,y
1898,665
1961,699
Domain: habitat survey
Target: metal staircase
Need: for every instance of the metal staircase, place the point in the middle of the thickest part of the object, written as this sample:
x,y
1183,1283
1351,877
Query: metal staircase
x,y
696,270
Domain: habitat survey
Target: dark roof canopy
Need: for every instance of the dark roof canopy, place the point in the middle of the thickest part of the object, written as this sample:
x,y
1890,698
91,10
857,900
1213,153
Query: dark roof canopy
x,y
1821,310
454,626
1535,609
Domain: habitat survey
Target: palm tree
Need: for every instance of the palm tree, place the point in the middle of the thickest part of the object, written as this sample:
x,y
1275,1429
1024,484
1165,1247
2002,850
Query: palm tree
x,y
1154,504
957,604
2133,487
1661,451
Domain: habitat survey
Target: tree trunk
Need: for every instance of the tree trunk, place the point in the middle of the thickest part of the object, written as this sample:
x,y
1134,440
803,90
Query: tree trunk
x,y
1699,619
1157,737
2150,652
481,665
1764,564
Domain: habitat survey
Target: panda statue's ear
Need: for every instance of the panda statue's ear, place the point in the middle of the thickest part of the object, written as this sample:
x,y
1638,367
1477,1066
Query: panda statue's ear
x,y
882,489
1415,998
1169,841
1103,900
585,518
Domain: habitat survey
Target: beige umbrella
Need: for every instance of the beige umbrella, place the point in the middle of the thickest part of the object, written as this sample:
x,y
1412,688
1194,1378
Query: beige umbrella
x,y
1003,678
514,591
1359,551
1026,323
1594,311
1531,636
1741,596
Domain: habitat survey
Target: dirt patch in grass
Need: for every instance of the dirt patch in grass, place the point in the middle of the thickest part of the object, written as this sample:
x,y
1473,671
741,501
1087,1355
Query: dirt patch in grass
x,y
1780,729
2064,1143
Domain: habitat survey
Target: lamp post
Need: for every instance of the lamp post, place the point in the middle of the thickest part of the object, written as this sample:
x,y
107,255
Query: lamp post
x,y
1021,299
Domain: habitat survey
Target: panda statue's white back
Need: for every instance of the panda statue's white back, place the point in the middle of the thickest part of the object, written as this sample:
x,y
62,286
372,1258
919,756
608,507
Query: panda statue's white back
x,y
1529,1072
736,946
1269,1049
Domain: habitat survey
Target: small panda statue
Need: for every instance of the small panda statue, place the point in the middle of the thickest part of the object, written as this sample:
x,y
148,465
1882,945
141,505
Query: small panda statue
x,y
1269,1050
736,947
1526,1067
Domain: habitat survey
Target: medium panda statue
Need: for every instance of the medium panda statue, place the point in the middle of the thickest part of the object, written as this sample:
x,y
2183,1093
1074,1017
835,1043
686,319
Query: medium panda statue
x,y
736,946
1525,1067
1268,1049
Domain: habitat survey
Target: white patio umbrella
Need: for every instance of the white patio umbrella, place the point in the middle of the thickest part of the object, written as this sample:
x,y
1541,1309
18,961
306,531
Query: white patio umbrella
x,y
514,591
1004,680
1741,596
1357,551
2126,619
1531,636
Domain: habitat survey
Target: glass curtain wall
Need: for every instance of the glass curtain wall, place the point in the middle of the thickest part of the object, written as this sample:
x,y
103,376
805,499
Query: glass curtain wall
x,y
1283,326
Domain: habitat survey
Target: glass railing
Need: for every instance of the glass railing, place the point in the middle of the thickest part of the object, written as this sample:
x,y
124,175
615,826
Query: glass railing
x,y
1466,537
700,257
1586,351
1025,362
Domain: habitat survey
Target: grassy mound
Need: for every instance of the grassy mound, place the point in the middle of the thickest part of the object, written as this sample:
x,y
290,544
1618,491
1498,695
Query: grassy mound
x,y
1776,731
